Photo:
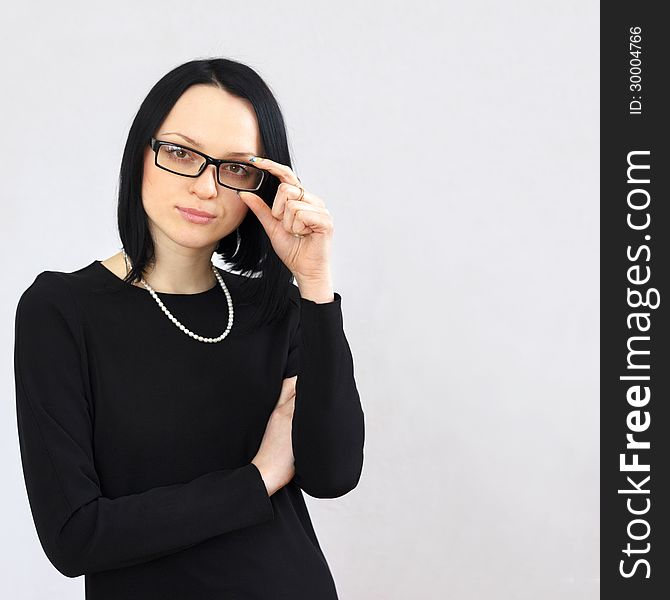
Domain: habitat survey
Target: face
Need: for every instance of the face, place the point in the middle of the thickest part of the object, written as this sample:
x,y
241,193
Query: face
x,y
221,123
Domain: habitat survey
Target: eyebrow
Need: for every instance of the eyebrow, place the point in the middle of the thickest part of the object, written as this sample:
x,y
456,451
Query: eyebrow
x,y
198,145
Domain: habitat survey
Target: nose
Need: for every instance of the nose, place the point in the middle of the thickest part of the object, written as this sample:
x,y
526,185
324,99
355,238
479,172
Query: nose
x,y
205,184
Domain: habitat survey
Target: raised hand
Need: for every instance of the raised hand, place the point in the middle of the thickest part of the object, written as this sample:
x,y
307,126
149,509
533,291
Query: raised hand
x,y
299,225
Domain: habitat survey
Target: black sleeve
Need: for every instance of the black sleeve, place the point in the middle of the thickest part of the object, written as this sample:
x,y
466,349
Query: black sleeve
x,y
80,530
328,430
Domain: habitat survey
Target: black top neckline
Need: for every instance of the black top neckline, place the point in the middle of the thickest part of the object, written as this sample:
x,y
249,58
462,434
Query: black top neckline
x,y
97,263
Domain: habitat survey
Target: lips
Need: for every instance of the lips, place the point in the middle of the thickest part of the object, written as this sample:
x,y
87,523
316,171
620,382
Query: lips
x,y
196,212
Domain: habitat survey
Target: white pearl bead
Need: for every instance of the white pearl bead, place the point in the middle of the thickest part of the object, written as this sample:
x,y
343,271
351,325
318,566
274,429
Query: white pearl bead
x,y
195,336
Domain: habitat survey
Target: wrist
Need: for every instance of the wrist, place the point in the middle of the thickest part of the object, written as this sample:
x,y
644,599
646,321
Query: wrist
x,y
317,290
265,476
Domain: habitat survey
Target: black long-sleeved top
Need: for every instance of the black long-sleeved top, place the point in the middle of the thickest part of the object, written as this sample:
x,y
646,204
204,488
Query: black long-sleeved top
x,y
136,439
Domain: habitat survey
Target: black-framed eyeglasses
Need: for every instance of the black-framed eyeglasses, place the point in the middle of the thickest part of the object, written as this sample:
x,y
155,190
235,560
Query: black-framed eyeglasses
x,y
185,161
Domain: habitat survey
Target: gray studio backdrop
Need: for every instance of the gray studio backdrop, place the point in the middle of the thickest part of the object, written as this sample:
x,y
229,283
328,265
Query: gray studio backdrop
x,y
456,145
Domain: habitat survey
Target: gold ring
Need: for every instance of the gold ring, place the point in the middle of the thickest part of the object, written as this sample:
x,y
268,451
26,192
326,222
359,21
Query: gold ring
x,y
302,195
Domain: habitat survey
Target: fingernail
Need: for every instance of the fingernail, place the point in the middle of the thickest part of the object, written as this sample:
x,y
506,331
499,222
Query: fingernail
x,y
255,159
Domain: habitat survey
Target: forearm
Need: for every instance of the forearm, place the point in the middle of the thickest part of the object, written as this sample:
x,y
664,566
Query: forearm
x,y
328,423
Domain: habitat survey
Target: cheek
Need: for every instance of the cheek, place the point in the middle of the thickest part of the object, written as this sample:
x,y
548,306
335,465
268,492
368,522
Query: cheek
x,y
150,195
156,191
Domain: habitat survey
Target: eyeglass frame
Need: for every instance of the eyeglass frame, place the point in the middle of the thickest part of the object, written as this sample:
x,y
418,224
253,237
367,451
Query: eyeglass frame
x,y
155,144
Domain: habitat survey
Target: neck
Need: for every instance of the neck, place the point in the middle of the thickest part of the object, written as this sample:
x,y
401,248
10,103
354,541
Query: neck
x,y
185,275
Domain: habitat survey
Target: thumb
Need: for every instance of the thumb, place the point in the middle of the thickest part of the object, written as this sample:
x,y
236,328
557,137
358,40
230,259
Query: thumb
x,y
260,209
287,390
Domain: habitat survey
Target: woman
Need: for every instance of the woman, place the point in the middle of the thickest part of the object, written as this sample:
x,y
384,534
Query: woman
x,y
171,413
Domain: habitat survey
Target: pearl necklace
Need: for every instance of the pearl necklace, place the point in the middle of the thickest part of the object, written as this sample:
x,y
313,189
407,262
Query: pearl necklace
x,y
172,318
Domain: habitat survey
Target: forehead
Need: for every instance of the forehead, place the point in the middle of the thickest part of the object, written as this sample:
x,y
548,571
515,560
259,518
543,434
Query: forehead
x,y
221,122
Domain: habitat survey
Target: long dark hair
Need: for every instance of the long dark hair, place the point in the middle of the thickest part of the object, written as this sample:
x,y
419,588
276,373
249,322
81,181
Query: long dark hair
x,y
248,248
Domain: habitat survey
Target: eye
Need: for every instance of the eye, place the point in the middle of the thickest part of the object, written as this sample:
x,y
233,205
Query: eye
x,y
178,153
235,168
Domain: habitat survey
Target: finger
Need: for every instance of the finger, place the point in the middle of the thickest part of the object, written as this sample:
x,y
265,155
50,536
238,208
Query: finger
x,y
311,221
287,191
283,172
293,207
285,397
288,386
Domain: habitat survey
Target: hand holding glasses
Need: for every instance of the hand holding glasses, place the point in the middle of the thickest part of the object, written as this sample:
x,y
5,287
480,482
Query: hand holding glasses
x,y
188,162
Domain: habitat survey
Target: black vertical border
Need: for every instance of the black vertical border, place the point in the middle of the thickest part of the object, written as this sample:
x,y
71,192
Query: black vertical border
x,y
621,133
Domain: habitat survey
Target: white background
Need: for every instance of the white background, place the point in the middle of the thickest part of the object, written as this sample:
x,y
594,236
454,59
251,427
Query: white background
x,y
456,145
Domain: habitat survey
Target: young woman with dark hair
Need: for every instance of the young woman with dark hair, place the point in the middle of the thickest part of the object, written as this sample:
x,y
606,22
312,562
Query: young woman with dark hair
x,y
172,413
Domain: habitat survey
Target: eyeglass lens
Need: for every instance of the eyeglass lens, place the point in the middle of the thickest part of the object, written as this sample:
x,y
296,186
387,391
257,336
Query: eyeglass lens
x,y
237,175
